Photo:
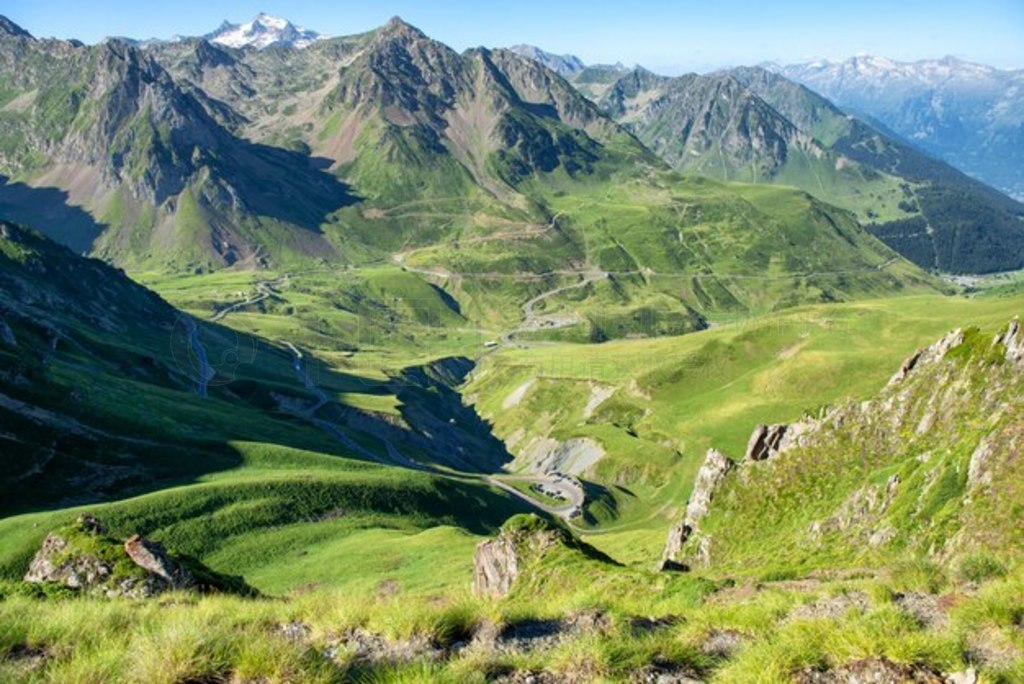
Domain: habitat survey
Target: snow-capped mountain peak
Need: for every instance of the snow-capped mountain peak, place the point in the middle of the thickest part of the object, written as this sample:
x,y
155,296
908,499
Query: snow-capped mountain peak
x,y
261,32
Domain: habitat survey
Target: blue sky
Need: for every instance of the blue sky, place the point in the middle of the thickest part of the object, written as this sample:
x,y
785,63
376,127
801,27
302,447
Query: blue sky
x,y
665,36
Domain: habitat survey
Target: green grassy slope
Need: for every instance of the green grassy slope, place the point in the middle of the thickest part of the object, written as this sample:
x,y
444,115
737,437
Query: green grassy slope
x,y
663,402
101,408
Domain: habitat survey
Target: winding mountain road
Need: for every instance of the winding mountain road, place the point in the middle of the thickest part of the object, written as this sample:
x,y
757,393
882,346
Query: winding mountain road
x,y
265,289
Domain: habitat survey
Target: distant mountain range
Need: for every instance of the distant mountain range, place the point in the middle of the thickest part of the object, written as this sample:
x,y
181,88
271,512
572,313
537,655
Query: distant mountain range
x,y
752,125
190,156
201,153
968,114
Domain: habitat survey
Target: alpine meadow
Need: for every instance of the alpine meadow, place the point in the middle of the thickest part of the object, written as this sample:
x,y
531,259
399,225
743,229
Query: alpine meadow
x,y
338,352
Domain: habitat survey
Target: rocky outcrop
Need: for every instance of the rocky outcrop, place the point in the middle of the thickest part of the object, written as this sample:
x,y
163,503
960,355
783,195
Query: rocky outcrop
x,y
870,479
1013,339
928,355
82,556
500,561
716,466
764,442
710,476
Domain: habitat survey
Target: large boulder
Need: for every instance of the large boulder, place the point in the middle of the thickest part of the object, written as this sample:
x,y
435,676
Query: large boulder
x,y
151,557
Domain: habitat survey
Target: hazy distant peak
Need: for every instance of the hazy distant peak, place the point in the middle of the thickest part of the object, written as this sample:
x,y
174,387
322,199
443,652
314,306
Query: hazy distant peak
x,y
565,65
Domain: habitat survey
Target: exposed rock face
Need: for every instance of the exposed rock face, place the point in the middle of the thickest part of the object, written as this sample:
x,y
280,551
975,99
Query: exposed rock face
x,y
499,561
978,472
765,441
573,456
677,536
1013,339
151,557
716,466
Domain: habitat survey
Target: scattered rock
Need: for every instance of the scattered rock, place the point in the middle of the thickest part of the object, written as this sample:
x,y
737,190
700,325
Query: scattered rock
x,y
588,622
664,672
531,677
764,442
722,643
375,649
872,671
531,635
926,609
991,648
969,676
710,477
26,657
832,607
882,536
296,632
528,636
